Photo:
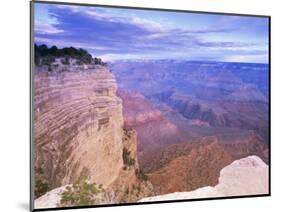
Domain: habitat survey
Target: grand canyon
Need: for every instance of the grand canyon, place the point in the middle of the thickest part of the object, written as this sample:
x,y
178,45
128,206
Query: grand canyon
x,y
133,106
141,129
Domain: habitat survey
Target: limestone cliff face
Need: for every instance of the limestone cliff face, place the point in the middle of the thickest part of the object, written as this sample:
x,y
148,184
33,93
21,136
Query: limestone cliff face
x,y
78,126
128,186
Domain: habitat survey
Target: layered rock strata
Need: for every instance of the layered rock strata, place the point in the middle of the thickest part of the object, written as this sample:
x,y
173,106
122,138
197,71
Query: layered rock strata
x,y
78,126
128,186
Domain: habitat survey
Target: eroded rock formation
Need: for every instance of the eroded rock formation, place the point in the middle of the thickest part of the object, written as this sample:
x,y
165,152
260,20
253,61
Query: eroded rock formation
x,y
187,167
247,176
129,185
78,126
191,165
154,130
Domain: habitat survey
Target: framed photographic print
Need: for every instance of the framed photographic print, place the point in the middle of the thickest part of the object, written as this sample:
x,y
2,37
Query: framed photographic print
x,y
140,105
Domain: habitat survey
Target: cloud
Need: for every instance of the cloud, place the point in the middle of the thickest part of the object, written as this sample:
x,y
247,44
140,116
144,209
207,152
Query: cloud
x,y
150,26
46,28
112,57
61,44
116,34
112,35
262,58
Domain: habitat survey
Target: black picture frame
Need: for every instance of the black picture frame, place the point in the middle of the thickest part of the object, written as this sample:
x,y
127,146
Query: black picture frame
x,y
31,89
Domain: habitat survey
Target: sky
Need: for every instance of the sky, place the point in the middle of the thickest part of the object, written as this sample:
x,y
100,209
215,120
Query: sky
x,y
123,34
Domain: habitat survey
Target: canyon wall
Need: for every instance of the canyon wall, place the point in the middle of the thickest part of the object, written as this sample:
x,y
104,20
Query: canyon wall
x,y
192,165
247,176
78,126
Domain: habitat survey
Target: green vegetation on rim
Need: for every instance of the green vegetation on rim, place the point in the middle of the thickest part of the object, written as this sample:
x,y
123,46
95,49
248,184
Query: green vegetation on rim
x,y
141,175
45,55
41,187
80,193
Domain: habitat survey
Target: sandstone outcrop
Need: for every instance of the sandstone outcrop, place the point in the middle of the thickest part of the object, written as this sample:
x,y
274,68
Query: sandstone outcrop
x,y
247,176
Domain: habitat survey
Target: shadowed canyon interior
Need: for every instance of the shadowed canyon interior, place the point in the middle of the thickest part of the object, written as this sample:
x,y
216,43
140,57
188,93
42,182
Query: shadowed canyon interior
x,y
193,118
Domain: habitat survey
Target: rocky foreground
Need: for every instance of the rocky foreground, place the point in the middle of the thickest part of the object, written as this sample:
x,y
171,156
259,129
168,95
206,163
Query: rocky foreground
x,y
247,176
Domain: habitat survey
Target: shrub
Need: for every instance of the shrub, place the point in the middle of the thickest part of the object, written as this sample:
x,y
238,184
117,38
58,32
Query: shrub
x,y
80,193
127,191
79,62
47,60
128,131
66,60
127,160
97,61
81,55
141,175
41,187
